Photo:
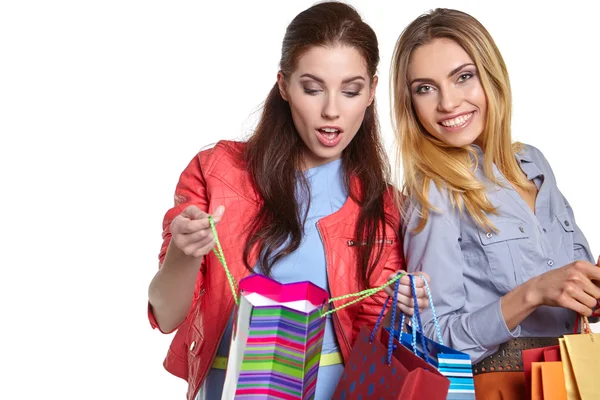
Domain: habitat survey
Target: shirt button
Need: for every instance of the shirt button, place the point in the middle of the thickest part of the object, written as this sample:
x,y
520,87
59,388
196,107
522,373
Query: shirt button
x,y
521,229
567,325
550,262
544,229
567,223
489,235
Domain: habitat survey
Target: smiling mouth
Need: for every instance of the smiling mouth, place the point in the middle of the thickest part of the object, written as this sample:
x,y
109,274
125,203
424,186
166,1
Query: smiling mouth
x,y
458,121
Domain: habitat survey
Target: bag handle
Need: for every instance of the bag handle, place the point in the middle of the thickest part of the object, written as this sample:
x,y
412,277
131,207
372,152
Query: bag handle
x,y
391,345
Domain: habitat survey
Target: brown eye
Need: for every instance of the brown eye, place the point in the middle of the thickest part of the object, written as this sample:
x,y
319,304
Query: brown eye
x,y
424,89
464,77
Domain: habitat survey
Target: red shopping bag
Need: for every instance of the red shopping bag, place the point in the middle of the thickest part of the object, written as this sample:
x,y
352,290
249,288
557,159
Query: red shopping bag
x,y
380,367
540,354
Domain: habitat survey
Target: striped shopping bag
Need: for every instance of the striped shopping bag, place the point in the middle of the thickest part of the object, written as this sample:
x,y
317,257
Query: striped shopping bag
x,y
453,364
277,340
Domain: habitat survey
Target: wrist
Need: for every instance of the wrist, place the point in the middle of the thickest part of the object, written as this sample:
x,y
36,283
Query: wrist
x,y
532,298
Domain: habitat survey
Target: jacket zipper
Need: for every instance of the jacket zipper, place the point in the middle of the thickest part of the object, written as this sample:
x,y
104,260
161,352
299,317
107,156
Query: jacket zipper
x,y
353,243
336,318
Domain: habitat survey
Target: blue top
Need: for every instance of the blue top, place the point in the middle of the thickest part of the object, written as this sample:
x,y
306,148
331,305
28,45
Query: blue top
x,y
471,269
307,263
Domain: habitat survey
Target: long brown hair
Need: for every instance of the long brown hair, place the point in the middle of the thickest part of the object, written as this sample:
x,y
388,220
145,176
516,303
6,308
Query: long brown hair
x,y
274,151
425,158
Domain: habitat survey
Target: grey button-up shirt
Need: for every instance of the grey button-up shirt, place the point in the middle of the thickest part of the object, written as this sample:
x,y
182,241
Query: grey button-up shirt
x,y
471,268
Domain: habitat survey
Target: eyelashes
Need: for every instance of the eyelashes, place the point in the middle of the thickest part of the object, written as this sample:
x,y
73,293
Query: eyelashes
x,y
314,92
464,77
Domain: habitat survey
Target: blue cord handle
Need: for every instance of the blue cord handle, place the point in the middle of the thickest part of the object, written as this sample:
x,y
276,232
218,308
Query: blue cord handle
x,y
379,320
393,323
417,323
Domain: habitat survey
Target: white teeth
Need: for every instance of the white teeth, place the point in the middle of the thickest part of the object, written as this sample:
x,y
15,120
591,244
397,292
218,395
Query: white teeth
x,y
330,130
457,121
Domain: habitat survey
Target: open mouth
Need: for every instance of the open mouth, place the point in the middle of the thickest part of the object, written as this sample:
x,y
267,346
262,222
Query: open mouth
x,y
457,122
329,136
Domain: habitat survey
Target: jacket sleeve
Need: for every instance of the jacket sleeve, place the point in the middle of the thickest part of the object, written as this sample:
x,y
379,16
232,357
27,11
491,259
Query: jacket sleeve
x,y
190,190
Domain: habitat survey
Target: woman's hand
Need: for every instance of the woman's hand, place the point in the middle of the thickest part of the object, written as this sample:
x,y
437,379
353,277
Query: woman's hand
x,y
191,231
405,296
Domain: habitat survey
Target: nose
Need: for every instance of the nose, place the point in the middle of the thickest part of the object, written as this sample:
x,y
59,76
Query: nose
x,y
449,100
330,109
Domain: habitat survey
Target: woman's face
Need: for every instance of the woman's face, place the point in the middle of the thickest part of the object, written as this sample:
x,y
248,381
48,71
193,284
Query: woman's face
x,y
446,92
328,92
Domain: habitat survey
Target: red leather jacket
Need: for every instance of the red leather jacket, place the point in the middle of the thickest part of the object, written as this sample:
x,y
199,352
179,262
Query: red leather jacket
x,y
215,177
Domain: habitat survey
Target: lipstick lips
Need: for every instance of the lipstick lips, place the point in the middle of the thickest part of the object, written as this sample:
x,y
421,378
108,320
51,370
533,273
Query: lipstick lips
x,y
329,136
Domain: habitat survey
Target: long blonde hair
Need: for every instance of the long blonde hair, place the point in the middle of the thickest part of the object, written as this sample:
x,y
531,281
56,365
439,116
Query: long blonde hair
x,y
425,158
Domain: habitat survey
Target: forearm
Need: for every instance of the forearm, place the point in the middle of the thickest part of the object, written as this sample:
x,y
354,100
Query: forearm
x,y
478,333
518,304
171,291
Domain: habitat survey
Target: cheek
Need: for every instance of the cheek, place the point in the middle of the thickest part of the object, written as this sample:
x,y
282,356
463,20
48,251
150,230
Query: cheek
x,y
476,96
424,111
301,112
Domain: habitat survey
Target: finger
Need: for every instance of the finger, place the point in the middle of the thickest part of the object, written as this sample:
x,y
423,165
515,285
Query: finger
x,y
218,214
405,301
598,262
584,298
199,238
588,269
423,275
591,289
197,249
409,311
196,225
406,290
204,250
423,304
193,212
576,306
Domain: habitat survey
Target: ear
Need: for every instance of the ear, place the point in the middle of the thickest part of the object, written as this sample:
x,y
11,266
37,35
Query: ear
x,y
373,89
282,85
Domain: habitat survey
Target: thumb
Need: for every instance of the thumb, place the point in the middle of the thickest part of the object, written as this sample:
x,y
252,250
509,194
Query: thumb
x,y
218,214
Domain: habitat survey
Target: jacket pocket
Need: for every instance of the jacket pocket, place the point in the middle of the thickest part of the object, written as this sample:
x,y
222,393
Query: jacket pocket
x,y
506,251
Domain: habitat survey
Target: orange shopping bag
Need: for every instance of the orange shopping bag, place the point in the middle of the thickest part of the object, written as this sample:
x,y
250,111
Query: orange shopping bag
x,y
547,381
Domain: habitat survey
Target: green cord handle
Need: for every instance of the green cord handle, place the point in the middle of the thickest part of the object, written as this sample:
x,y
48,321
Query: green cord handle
x,y
361,295
234,287
221,257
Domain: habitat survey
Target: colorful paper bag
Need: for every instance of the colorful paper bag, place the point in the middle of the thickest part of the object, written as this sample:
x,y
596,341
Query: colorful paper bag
x,y
540,354
380,367
583,352
453,364
570,385
276,341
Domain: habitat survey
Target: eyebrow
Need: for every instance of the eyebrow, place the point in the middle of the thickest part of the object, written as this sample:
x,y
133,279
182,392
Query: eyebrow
x,y
454,71
347,80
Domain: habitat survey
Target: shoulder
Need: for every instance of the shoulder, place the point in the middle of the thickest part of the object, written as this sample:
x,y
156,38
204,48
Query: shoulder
x,y
224,152
440,209
529,153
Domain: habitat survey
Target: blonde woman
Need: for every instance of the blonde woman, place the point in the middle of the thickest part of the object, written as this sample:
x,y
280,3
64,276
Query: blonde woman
x,y
485,219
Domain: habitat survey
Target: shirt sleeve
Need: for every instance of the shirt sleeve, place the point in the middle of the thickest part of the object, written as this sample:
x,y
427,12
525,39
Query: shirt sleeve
x,y
436,250
581,248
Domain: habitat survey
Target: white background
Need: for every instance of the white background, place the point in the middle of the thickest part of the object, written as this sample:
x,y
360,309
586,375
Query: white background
x,y
102,105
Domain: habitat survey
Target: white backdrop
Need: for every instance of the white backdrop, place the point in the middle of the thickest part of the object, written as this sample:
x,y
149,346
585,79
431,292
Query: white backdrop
x,y
103,103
